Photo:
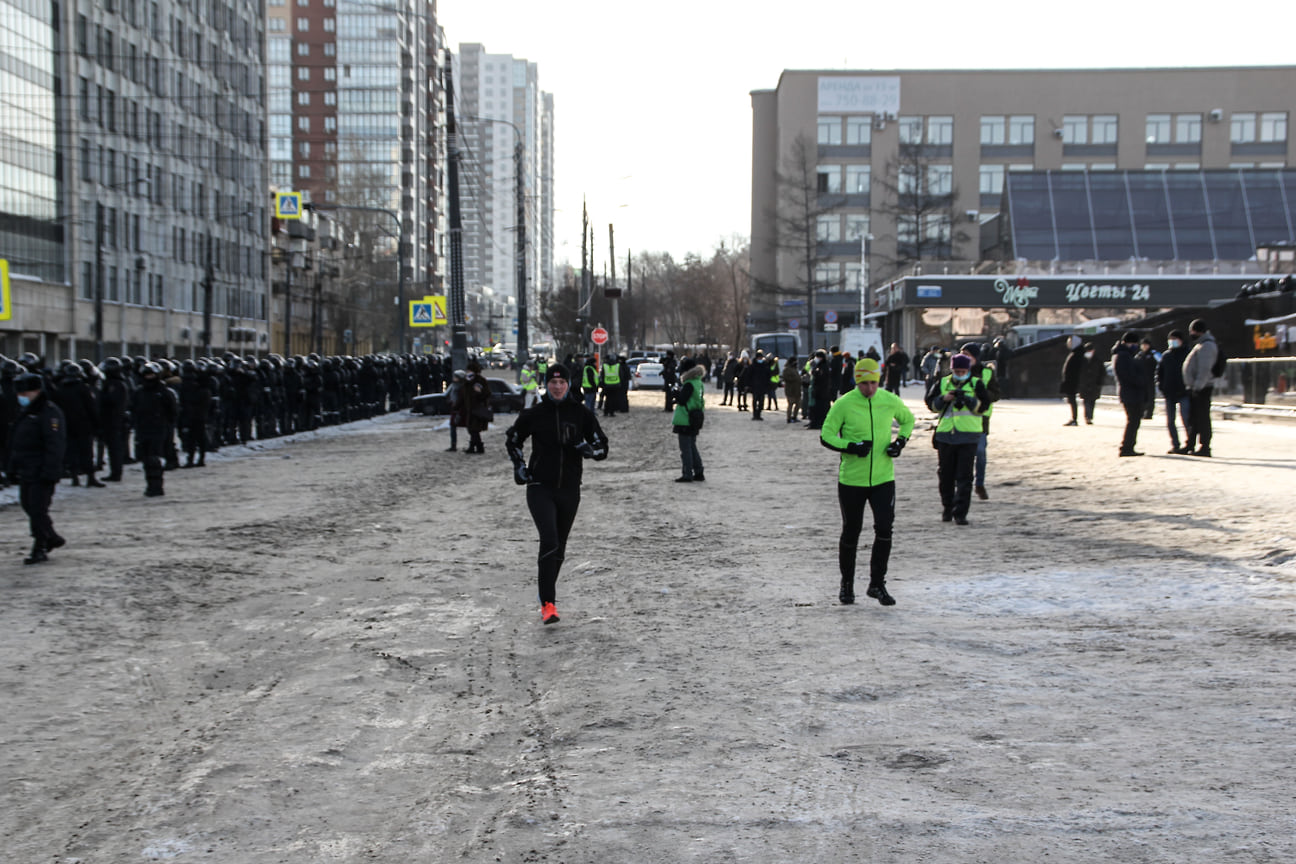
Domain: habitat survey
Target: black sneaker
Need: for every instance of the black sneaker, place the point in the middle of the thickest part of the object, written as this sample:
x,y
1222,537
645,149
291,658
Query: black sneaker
x,y
699,477
683,479
879,593
55,542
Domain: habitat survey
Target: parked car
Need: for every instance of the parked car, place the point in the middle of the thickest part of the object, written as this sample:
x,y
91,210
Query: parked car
x,y
648,376
506,398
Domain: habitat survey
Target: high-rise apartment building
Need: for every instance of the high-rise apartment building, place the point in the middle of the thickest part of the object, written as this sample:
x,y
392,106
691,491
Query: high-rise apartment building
x,y
500,109
134,186
356,122
916,161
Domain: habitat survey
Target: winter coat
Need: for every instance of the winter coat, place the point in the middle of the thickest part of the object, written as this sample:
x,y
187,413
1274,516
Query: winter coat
x,y
77,402
1071,369
792,381
1197,366
896,364
688,399
473,406
38,443
153,407
1169,374
1093,374
1130,386
856,418
555,429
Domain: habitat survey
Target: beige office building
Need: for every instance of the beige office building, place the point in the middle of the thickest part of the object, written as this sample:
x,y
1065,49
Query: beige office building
x,y
917,160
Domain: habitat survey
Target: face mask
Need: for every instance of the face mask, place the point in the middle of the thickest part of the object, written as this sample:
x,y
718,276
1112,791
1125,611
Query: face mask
x,y
1175,343
1089,354
962,376
24,401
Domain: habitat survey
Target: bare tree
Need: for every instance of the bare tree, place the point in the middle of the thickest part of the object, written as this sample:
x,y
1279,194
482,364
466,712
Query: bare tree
x,y
918,199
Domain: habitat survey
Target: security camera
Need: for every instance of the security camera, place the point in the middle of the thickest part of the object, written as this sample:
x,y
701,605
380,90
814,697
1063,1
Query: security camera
x,y
1057,133
972,215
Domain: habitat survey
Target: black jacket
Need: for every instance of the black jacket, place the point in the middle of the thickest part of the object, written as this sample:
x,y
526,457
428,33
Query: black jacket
x,y
38,443
1169,373
153,408
1130,383
555,430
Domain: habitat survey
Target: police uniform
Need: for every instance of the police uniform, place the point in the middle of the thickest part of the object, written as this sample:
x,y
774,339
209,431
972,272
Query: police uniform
x,y
36,450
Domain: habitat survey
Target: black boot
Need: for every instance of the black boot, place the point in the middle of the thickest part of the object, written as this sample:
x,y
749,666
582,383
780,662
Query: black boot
x,y
847,592
93,483
37,553
877,590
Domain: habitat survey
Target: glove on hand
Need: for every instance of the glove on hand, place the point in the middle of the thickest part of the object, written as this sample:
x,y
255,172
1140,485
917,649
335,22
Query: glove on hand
x,y
521,476
585,449
859,448
893,449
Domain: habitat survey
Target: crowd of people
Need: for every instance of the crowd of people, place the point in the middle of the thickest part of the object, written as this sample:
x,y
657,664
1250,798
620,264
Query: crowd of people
x,y
76,420
1183,375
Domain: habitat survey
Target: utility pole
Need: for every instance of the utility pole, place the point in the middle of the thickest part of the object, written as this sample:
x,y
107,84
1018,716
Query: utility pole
x,y
99,283
288,302
616,293
521,290
458,329
207,301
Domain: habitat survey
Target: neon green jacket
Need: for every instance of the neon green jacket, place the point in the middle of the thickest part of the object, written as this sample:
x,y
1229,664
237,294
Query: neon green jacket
x,y
853,418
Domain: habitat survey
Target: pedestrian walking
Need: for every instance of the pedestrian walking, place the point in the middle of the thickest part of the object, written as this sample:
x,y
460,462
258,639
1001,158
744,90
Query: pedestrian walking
x,y
1069,387
989,377
1148,358
1199,374
858,426
959,400
563,433
37,446
686,422
473,409
897,364
792,389
1093,375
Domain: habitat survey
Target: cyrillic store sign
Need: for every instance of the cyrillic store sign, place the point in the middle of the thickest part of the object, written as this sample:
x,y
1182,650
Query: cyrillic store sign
x,y
1052,292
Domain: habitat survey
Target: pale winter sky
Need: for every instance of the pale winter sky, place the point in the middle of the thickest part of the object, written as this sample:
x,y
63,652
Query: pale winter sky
x,y
651,100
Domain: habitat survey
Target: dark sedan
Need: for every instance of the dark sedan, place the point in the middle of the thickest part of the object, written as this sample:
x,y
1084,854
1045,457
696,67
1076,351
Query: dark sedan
x,y
506,398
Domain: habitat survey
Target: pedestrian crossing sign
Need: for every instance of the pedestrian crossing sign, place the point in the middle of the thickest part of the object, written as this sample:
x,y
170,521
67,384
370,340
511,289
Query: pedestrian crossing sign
x,y
6,308
288,205
428,312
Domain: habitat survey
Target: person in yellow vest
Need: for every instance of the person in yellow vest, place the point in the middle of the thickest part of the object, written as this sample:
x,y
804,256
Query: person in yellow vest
x,y
530,386
771,396
960,400
589,382
858,426
990,378
610,379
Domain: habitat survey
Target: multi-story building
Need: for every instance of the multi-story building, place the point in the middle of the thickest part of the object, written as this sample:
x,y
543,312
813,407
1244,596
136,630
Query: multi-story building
x,y
502,110
134,205
356,123
863,176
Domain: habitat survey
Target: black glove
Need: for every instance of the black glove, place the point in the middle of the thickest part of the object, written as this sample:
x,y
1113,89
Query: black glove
x,y
859,448
585,449
893,449
521,476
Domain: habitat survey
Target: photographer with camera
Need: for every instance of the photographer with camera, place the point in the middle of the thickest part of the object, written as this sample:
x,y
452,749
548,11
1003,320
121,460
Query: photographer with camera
x,y
960,400
563,434
858,426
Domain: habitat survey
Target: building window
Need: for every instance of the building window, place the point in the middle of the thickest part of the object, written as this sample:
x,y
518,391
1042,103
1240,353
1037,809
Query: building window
x,y
277,25
330,98
857,179
330,73
330,25
330,125
1075,129
303,24
303,73
330,49
303,170
910,130
830,131
303,49
991,179
303,98
1103,129
1242,128
829,179
857,225
992,131
1021,129
907,180
940,130
940,179
859,130
1273,126
1188,128
828,229
826,276
303,124
303,149
1158,129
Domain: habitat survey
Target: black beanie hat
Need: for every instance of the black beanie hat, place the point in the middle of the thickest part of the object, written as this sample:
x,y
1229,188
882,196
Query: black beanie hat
x,y
557,370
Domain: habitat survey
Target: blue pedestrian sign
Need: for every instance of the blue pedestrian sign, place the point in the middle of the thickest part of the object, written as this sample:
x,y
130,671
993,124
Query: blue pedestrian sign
x,y
288,205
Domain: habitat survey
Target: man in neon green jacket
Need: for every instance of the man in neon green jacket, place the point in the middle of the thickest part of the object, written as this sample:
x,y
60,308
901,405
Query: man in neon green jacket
x,y
858,426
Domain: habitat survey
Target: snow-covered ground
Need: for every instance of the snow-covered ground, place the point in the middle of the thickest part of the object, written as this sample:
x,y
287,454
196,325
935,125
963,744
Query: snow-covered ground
x,y
327,649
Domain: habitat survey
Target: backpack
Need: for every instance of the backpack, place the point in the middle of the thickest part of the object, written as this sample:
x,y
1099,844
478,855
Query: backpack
x,y
1221,362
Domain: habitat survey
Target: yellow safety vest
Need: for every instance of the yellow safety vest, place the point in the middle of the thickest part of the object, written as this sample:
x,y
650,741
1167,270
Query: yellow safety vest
x,y
959,419
612,374
528,379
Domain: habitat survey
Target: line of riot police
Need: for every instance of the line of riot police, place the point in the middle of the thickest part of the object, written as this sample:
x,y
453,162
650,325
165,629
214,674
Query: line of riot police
x,y
208,403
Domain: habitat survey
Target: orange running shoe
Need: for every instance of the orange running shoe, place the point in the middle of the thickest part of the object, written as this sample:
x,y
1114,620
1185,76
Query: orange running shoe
x,y
549,613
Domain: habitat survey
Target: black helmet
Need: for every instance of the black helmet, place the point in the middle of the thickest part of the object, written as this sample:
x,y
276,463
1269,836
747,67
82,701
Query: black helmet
x,y
30,360
27,382
150,368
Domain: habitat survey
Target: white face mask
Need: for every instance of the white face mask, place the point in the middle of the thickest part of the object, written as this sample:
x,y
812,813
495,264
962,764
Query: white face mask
x,y
962,376
1175,343
1089,354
